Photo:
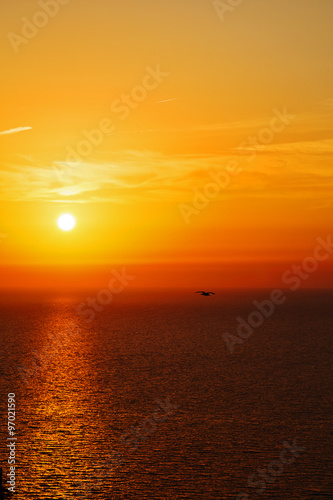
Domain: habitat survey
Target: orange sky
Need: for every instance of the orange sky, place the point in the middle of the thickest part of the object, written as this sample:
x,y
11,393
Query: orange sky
x,y
125,113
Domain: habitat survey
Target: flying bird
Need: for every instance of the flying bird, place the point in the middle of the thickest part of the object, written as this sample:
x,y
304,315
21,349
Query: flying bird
x,y
207,294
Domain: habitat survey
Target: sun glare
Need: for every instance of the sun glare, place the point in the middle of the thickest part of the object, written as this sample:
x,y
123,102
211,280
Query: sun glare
x,y
66,222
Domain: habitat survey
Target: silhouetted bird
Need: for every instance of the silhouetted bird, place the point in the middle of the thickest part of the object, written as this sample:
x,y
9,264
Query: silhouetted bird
x,y
207,294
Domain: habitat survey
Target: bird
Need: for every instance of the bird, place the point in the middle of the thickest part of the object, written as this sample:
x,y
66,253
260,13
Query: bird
x,y
207,294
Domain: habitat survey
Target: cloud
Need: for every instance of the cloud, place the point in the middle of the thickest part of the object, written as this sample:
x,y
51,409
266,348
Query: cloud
x,y
166,100
280,171
319,147
15,130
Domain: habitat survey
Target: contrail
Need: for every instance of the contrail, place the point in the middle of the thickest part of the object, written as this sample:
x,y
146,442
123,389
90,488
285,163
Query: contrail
x,y
15,130
166,100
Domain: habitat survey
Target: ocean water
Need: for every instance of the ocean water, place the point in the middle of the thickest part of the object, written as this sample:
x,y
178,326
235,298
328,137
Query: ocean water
x,y
146,401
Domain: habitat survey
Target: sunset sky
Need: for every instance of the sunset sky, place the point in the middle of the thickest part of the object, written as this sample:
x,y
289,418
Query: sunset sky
x,y
176,91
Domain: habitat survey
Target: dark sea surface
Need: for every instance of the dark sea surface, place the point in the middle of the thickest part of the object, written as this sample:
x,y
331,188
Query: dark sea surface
x,y
99,383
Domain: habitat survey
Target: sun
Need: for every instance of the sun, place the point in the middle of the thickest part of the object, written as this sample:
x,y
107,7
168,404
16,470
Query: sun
x,y
66,222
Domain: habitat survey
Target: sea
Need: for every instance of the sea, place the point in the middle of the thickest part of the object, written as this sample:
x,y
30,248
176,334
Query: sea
x,y
156,396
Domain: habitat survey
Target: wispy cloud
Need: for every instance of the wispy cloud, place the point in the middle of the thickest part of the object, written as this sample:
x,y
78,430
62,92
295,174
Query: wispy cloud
x,y
15,130
319,147
286,170
166,100
316,123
